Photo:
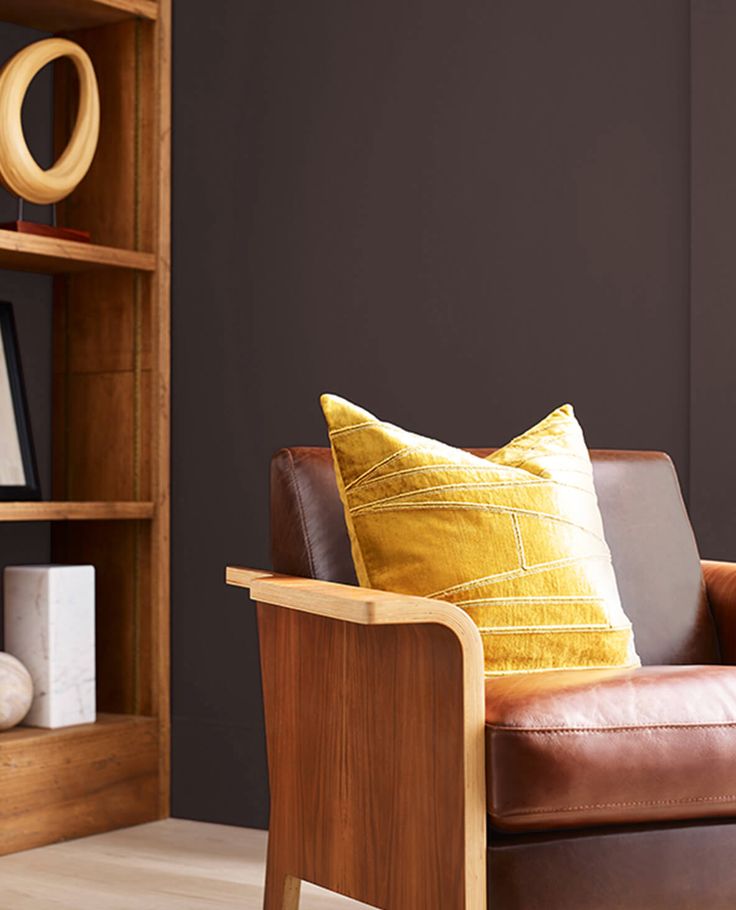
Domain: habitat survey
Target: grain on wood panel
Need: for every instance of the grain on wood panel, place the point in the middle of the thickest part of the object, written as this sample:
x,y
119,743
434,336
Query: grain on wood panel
x,y
101,326
100,455
146,157
77,781
366,749
102,362
120,553
105,437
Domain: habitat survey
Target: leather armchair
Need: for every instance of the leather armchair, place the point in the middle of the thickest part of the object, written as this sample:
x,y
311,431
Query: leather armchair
x,y
401,778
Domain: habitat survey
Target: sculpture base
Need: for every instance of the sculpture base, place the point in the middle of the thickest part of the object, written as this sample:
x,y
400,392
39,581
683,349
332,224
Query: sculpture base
x,y
46,230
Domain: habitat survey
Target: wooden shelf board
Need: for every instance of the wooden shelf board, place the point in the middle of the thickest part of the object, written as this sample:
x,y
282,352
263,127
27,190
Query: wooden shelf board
x,y
75,511
65,15
33,253
106,723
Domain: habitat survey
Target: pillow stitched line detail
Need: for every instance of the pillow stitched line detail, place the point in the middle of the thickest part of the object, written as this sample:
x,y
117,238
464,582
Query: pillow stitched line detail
x,y
421,469
460,506
351,428
534,481
514,573
540,599
406,450
376,423
552,629
518,541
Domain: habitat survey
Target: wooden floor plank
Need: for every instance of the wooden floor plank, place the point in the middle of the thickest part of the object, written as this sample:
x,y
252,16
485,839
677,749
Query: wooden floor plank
x,y
168,865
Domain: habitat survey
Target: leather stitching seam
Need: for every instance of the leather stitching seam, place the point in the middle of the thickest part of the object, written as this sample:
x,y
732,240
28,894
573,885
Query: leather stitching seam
x,y
585,731
641,802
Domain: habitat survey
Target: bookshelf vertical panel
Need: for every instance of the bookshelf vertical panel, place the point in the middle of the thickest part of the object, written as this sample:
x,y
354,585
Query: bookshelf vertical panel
x,y
102,416
160,395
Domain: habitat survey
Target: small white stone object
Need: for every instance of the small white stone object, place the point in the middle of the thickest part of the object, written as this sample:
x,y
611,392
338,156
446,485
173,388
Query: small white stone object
x,y
16,691
50,627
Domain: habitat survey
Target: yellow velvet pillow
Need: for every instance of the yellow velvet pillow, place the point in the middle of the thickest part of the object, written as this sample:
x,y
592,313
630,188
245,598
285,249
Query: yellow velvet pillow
x,y
515,539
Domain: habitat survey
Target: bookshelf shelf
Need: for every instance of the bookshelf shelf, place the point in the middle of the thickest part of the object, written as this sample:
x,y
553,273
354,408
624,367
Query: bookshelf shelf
x,y
30,253
75,511
65,15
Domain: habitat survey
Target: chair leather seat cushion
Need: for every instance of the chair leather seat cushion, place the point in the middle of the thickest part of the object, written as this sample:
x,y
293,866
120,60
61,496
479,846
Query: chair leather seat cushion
x,y
568,749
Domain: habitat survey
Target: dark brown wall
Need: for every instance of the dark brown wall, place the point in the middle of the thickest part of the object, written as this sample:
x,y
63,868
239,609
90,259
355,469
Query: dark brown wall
x,y
460,214
713,289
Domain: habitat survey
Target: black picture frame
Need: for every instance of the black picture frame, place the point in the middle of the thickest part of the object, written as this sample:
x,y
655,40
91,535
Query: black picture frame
x,y
13,386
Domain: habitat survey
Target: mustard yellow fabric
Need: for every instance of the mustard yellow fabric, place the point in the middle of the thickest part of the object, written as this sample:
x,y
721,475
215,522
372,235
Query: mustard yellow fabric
x,y
515,539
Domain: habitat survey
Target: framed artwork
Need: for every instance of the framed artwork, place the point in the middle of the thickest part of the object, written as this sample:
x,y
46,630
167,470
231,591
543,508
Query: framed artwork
x,y
18,472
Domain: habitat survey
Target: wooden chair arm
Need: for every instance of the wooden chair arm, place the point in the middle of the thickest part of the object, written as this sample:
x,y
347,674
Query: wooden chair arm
x,y
365,606
422,661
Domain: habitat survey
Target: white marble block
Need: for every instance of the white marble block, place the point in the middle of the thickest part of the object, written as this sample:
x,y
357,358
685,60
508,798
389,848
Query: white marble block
x,y
50,627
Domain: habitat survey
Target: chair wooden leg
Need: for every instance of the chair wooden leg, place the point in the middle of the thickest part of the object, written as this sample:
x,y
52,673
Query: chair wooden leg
x,y
282,889
282,892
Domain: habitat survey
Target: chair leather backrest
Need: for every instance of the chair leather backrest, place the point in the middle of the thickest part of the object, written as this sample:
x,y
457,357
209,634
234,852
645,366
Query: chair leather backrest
x,y
647,528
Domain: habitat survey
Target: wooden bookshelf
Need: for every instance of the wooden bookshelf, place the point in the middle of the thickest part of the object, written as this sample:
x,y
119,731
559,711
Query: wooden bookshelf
x,y
109,502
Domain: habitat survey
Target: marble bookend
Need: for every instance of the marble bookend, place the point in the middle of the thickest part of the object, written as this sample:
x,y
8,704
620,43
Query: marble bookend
x,y
50,628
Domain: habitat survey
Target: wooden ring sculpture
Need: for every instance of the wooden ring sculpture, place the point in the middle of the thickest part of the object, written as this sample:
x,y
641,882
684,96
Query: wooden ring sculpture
x,y
19,172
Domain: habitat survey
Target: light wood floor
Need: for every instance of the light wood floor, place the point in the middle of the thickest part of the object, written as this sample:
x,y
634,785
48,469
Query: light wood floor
x,y
169,865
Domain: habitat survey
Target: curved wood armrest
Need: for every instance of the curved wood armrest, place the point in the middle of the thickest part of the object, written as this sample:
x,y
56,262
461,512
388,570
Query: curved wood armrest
x,y
720,586
400,679
364,606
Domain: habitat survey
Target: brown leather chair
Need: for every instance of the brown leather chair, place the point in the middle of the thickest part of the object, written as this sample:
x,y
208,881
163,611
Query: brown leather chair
x,y
605,789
